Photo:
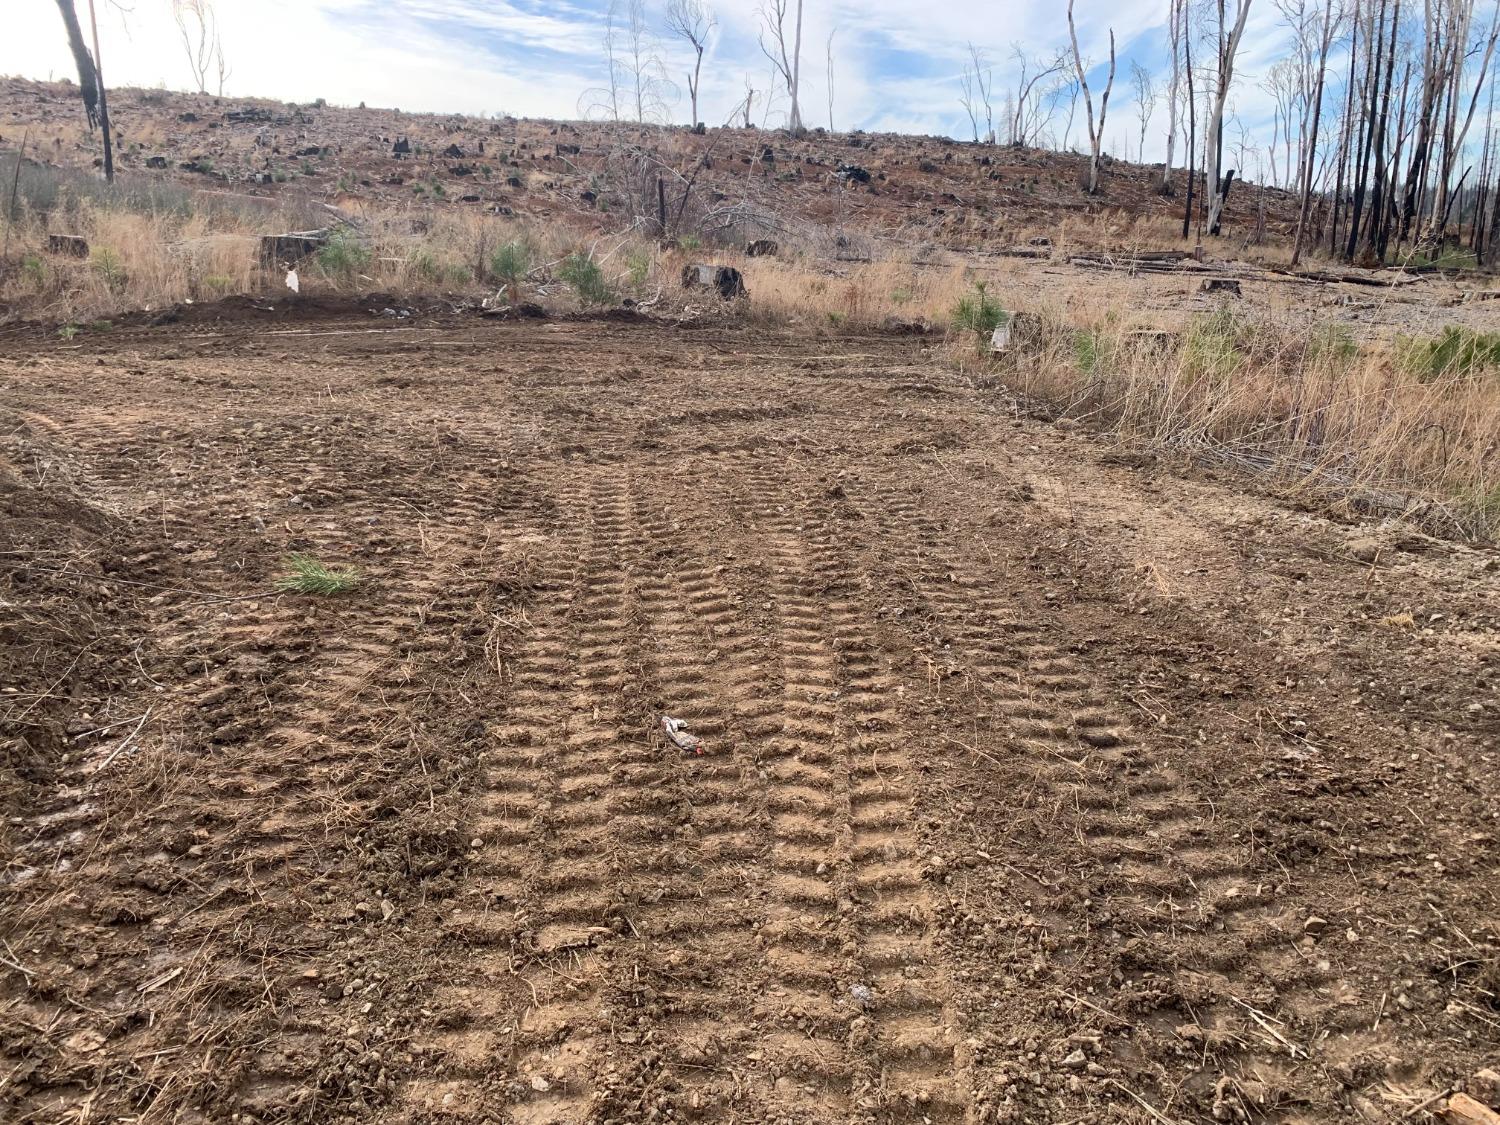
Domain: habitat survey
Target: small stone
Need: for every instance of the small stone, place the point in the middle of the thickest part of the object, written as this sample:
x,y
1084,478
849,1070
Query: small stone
x,y
1314,925
540,1084
476,843
1486,1085
1076,1060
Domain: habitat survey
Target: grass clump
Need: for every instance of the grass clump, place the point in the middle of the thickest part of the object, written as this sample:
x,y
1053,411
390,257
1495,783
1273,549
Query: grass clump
x,y
308,575
585,276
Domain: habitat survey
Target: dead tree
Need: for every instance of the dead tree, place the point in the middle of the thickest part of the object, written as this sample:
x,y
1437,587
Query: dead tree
x,y
1096,129
976,85
198,26
1309,150
1176,26
690,20
90,78
831,34
1229,45
1026,118
653,90
1146,95
606,99
788,63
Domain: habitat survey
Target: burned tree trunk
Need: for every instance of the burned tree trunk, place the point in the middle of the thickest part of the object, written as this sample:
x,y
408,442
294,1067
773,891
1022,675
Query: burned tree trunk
x,y
90,80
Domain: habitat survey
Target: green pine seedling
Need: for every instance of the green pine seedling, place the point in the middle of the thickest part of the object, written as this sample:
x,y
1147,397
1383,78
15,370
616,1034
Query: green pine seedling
x,y
310,576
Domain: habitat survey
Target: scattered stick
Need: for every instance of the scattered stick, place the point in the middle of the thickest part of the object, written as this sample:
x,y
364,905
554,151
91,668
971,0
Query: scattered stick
x,y
129,738
1144,1104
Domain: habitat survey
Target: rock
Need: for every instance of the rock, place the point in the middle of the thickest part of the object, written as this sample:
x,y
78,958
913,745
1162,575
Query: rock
x,y
1366,549
1314,925
1485,1085
540,1084
1076,1061
1227,285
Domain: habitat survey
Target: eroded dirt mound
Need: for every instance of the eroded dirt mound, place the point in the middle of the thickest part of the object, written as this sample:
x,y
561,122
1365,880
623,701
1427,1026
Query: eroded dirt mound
x,y
1038,784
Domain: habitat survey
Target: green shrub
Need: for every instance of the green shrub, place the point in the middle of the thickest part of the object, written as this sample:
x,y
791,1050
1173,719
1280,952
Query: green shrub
x,y
638,262
109,267
343,255
581,272
309,575
1088,350
978,314
1211,346
439,270
689,242
510,263
1334,343
35,270
1459,352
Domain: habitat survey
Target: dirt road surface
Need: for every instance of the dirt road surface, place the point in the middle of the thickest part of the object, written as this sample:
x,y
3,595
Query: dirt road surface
x,y
1040,783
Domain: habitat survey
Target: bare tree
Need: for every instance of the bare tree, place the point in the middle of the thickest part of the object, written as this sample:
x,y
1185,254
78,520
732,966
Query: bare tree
x,y
1146,95
653,90
691,20
606,99
1096,130
90,78
749,99
1027,118
199,27
831,34
1176,27
788,64
1229,45
977,85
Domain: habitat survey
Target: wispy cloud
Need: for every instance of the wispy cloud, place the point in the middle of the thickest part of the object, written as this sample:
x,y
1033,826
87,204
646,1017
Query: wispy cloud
x,y
896,63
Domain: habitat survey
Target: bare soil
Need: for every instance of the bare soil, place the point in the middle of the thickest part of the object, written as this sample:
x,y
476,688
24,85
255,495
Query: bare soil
x,y
1040,783
929,191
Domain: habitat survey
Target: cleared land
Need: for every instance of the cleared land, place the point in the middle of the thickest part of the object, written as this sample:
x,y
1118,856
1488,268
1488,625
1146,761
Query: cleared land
x,y
1040,784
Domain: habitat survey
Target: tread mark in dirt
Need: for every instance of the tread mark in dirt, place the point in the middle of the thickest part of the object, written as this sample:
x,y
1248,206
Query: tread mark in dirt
x,y
689,913
574,896
1146,829
481,1011
845,870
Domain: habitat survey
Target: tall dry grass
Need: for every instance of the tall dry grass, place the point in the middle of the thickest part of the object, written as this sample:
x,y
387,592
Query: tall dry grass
x,y
1387,428
1274,394
852,295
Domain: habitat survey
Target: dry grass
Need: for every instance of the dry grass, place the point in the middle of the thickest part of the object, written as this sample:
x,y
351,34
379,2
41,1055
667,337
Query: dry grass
x,y
1272,394
853,295
1306,405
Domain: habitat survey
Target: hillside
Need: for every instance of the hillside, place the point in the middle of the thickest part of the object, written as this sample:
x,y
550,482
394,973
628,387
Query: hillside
x,y
926,191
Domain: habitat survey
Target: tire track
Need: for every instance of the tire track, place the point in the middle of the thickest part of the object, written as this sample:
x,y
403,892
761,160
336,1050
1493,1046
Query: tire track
x,y
1171,891
866,1020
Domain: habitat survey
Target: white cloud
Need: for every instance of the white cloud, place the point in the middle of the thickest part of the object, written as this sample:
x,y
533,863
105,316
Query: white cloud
x,y
896,62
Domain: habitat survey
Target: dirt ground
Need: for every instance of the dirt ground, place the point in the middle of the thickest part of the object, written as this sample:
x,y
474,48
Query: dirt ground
x,y
1040,782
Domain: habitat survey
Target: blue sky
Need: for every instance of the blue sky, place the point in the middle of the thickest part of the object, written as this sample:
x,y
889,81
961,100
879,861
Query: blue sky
x,y
896,63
